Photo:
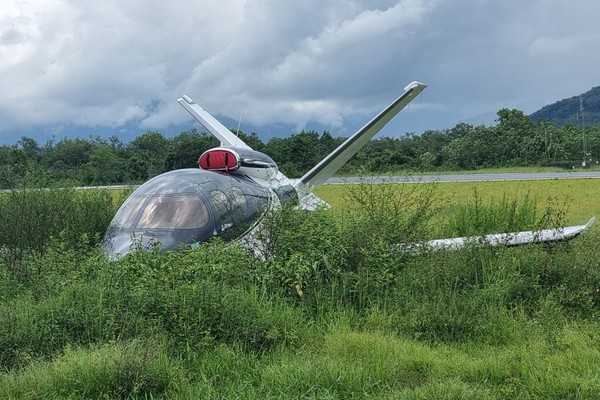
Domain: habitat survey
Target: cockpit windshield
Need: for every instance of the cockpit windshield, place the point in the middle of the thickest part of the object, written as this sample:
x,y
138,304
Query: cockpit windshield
x,y
174,212
164,212
129,211
186,207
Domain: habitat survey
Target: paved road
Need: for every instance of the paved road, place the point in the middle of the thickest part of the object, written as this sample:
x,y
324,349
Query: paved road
x,y
431,178
470,177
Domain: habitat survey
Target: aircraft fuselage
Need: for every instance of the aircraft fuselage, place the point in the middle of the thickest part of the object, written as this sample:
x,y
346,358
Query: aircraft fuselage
x,y
186,207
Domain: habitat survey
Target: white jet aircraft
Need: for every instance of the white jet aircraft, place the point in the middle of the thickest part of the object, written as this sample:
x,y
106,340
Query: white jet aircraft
x,y
234,187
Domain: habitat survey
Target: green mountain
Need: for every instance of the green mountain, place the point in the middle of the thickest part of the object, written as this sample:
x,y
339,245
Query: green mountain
x,y
566,111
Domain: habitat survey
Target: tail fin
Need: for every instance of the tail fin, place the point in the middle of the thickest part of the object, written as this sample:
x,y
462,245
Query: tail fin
x,y
225,136
330,164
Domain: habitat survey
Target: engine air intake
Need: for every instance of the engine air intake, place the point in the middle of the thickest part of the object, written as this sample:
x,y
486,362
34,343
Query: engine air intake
x,y
219,159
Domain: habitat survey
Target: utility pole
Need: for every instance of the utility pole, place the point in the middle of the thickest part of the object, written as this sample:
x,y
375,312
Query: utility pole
x,y
587,156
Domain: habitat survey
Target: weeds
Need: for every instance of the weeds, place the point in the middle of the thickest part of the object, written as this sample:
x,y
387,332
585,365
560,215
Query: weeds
x,y
133,369
33,218
475,217
332,313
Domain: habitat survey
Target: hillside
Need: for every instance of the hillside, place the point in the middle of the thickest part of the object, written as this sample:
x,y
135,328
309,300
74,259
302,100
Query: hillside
x,y
565,111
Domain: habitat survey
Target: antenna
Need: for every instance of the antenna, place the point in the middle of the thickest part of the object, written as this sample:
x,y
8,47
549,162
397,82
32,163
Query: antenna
x,y
237,133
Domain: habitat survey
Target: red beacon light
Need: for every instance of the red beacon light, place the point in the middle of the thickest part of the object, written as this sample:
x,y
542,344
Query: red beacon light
x,y
220,159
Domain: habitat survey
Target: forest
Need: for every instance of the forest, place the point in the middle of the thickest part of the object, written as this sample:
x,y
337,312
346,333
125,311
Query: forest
x,y
515,140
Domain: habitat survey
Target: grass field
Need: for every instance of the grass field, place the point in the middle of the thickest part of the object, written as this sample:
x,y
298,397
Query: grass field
x,y
334,313
582,196
528,169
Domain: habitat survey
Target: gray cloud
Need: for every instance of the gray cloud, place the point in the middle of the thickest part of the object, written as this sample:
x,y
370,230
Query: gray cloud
x,y
114,63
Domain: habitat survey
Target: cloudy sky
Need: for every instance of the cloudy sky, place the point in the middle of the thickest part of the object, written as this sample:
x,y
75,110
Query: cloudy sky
x,y
81,67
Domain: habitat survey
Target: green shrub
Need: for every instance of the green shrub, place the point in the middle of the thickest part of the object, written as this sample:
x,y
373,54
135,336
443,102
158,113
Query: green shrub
x,y
198,296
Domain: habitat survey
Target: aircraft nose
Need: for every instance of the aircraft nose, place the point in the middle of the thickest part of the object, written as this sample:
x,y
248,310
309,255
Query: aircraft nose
x,y
119,245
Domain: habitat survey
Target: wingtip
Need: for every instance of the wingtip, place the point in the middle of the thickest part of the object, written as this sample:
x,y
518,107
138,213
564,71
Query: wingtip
x,y
185,98
589,224
414,84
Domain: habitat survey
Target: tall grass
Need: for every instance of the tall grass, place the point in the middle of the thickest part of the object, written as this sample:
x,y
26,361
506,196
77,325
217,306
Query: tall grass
x,y
139,368
332,313
32,218
478,217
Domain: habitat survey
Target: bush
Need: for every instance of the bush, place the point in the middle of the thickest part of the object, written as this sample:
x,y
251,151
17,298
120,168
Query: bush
x,y
197,297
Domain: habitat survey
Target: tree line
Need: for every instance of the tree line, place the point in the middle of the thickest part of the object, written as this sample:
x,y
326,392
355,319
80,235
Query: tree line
x,y
514,141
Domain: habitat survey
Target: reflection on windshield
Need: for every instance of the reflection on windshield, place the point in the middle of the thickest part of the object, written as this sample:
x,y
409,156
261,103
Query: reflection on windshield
x,y
174,212
222,204
239,199
127,214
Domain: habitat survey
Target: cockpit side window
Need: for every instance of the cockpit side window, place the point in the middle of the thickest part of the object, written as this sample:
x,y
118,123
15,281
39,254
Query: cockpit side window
x,y
127,214
231,206
239,199
221,202
174,212
257,200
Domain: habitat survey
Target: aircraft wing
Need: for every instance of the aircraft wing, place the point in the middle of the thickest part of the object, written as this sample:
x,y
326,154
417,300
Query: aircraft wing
x,y
503,239
330,164
225,136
